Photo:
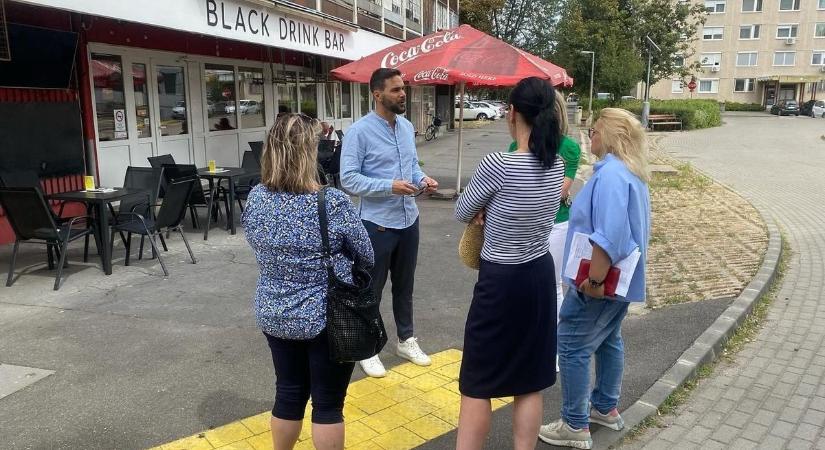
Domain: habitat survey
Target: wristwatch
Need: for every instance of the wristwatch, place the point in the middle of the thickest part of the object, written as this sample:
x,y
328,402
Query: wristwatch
x,y
594,284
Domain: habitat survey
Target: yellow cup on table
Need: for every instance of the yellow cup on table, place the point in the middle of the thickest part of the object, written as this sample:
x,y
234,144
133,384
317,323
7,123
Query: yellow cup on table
x,y
89,182
211,165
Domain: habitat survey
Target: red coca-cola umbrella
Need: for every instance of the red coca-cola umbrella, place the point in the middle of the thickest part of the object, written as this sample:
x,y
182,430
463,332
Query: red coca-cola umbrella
x,y
460,56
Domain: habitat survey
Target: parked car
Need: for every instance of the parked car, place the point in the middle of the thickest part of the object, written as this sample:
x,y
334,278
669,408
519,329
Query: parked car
x,y
474,111
628,97
572,97
247,107
784,107
179,111
604,96
498,109
813,108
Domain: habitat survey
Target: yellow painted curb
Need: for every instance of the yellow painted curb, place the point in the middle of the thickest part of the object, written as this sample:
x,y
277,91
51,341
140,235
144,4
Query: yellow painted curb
x,y
403,410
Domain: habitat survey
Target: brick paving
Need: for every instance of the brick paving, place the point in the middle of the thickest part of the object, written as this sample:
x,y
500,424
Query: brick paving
x,y
772,394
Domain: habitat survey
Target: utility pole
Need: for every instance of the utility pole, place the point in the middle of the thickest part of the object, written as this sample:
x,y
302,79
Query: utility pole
x,y
592,72
646,105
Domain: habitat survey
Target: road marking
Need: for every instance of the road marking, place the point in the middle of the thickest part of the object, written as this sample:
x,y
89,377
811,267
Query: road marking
x,y
14,378
408,407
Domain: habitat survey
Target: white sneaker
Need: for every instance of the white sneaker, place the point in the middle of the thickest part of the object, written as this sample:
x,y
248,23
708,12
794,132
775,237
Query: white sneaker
x,y
560,434
410,350
373,367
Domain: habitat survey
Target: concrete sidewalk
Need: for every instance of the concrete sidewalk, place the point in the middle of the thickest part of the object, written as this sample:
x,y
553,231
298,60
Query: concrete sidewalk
x,y
140,360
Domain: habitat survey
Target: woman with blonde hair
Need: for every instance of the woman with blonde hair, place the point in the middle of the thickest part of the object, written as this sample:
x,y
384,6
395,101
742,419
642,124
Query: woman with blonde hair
x,y
613,210
282,227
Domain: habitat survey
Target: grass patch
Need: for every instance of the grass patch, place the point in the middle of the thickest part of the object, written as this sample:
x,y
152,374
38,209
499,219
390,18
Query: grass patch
x,y
686,179
743,335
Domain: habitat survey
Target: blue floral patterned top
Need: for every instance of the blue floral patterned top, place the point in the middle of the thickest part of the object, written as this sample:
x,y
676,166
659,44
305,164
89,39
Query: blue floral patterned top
x,y
283,230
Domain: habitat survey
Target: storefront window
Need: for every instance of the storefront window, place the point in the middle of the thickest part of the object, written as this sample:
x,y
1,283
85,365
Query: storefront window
x,y
309,96
251,90
365,98
172,100
144,122
110,102
332,100
346,100
220,97
287,93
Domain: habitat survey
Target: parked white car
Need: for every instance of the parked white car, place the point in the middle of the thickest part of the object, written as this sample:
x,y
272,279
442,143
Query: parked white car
x,y
499,109
247,107
475,111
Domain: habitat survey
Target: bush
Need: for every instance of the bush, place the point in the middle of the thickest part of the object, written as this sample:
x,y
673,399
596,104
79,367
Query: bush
x,y
694,114
733,106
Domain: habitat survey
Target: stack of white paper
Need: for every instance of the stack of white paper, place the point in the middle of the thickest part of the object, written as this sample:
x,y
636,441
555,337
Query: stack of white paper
x,y
580,248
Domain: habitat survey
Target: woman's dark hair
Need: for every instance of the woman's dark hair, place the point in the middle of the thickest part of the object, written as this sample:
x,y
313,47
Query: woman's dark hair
x,y
534,99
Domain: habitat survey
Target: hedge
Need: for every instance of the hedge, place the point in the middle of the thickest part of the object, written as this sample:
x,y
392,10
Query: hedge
x,y
694,114
733,106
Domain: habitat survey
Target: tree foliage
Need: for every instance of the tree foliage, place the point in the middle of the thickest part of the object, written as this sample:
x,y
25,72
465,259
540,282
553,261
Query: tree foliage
x,y
527,24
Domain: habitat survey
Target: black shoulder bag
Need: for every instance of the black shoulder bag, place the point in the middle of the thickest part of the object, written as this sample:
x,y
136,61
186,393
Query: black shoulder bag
x,y
354,326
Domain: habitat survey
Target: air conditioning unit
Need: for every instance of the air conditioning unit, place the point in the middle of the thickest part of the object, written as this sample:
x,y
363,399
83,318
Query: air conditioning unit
x,y
714,69
790,41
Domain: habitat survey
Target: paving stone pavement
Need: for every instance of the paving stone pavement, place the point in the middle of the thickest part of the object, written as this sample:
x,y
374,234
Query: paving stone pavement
x,y
772,396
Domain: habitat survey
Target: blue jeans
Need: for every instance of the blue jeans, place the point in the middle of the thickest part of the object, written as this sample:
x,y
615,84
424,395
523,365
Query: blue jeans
x,y
589,326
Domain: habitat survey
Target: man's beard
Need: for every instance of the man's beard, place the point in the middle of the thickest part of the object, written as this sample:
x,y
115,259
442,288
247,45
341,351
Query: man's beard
x,y
396,108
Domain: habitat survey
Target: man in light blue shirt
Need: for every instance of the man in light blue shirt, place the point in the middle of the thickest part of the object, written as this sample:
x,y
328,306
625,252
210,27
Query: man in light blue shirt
x,y
380,165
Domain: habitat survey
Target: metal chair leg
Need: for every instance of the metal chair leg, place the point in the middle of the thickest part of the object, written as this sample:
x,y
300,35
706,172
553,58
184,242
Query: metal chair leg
x,y
140,251
128,247
157,252
63,251
163,242
10,279
86,249
50,256
186,242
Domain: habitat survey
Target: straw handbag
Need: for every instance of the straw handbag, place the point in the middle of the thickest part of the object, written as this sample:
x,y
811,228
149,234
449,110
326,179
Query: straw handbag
x,y
469,247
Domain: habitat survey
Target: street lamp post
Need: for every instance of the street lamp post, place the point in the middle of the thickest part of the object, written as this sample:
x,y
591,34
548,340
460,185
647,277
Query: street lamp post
x,y
592,70
646,105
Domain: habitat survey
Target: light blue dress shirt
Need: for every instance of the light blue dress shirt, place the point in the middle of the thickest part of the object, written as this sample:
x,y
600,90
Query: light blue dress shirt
x,y
613,208
373,155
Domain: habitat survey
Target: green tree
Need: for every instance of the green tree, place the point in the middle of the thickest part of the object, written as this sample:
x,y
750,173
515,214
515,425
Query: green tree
x,y
615,30
527,24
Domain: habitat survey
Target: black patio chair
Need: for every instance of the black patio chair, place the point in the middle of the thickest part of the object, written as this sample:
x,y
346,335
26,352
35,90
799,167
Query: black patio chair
x,y
33,222
245,183
257,148
198,198
340,135
148,179
170,217
158,162
30,179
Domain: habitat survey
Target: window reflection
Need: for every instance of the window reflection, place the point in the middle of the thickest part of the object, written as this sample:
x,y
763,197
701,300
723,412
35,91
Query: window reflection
x,y
309,96
144,121
220,97
251,90
110,102
287,93
172,100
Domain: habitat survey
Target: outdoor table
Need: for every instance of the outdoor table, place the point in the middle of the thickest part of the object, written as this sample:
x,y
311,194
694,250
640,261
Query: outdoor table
x,y
100,202
231,174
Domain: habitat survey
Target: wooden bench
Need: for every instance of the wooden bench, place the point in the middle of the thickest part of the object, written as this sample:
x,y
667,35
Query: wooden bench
x,y
669,120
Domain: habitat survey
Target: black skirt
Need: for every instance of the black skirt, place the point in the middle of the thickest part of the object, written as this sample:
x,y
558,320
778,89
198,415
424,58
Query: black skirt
x,y
510,335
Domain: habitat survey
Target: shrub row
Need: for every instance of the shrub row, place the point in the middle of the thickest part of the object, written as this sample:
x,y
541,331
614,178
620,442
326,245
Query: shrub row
x,y
694,114
734,106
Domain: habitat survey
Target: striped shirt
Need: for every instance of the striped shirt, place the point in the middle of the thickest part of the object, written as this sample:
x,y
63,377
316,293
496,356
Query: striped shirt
x,y
521,198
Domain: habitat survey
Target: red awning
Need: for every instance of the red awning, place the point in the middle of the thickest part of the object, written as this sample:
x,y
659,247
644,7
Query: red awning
x,y
453,56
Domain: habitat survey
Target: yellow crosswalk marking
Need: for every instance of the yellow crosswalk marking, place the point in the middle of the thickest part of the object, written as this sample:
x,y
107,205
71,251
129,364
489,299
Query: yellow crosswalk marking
x,y
403,410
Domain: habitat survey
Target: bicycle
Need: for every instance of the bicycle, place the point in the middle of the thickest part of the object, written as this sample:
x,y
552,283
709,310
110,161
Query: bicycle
x,y
432,129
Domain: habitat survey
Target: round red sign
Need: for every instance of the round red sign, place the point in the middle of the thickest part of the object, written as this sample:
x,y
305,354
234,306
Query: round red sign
x,y
692,85
227,92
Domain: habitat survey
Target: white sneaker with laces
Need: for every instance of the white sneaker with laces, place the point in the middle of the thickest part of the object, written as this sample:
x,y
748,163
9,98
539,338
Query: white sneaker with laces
x,y
560,434
373,367
410,350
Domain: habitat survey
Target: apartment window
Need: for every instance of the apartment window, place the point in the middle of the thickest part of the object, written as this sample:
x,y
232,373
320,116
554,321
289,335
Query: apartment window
x,y
821,4
709,86
789,5
749,32
820,30
678,61
712,33
784,58
745,59
786,31
414,10
715,6
753,5
818,58
743,85
711,59
676,87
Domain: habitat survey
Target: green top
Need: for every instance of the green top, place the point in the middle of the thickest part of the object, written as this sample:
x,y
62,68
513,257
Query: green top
x,y
570,152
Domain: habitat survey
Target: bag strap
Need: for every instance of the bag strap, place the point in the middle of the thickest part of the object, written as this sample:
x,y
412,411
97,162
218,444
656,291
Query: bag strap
x,y
324,223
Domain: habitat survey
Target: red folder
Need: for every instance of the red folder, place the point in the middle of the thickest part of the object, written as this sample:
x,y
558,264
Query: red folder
x,y
610,282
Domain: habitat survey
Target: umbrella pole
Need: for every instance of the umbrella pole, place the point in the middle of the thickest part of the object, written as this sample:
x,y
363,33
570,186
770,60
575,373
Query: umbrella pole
x,y
460,141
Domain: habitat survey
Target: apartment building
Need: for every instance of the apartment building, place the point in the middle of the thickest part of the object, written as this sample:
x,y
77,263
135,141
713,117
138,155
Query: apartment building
x,y
755,51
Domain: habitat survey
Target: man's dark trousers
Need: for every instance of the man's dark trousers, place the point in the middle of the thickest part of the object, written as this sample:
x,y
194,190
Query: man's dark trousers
x,y
396,253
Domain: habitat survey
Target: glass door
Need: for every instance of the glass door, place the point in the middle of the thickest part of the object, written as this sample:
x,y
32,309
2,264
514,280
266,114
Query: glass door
x,y
172,114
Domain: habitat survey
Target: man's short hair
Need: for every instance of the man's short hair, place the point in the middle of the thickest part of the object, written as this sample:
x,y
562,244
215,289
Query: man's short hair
x,y
380,76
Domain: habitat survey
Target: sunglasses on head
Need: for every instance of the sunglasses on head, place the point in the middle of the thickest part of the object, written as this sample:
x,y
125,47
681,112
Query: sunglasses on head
x,y
591,132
